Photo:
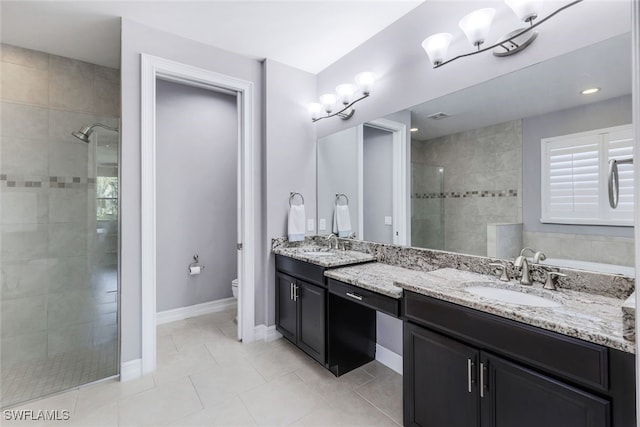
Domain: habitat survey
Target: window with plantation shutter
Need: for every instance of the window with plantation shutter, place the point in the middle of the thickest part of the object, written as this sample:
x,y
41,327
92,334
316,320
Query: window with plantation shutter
x,y
574,177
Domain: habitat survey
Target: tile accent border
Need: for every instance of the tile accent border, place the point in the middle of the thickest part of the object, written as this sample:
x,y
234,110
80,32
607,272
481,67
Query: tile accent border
x,y
466,194
11,181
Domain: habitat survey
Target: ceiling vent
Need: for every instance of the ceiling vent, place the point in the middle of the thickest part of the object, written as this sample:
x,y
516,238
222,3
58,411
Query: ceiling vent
x,y
438,116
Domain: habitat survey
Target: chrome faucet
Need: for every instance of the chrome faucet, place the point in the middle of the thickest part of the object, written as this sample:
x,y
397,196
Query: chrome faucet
x,y
335,238
522,263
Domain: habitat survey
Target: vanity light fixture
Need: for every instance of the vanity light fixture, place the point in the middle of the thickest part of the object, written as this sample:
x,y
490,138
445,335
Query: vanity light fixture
x,y
343,99
476,26
590,91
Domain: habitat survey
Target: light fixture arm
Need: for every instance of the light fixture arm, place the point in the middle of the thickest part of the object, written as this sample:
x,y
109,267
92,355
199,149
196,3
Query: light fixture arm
x,y
511,38
343,114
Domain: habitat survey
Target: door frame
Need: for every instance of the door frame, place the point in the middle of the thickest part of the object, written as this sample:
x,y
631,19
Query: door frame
x,y
152,68
399,133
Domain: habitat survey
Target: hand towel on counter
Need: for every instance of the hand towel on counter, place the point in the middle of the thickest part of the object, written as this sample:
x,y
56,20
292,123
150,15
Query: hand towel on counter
x,y
342,221
296,224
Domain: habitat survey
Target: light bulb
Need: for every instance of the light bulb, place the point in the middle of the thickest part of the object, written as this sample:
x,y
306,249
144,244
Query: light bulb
x,y
365,82
315,109
345,92
436,47
525,10
328,100
476,25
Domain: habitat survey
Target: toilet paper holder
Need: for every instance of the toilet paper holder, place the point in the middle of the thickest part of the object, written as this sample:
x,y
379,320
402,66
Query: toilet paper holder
x,y
195,263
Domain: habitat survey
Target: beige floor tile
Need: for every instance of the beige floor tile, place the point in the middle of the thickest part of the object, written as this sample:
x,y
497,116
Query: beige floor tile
x,y
161,405
377,369
194,337
182,363
164,344
227,414
61,402
278,361
385,393
348,409
213,320
281,401
104,393
173,327
225,381
322,381
103,416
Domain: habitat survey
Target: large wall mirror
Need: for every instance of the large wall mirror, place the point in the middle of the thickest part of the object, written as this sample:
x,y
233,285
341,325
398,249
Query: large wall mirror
x,y
477,182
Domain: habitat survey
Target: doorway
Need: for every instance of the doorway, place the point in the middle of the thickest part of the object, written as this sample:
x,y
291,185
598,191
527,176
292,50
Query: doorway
x,y
154,68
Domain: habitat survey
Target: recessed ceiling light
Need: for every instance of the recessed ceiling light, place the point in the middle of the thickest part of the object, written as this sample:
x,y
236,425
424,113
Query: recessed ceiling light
x,y
414,129
590,91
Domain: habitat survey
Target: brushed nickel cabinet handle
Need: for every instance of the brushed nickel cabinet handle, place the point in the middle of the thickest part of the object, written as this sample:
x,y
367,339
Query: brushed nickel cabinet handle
x,y
291,291
354,296
481,379
469,368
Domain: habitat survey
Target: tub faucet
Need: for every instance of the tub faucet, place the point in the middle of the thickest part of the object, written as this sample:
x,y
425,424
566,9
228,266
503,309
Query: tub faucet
x,y
522,263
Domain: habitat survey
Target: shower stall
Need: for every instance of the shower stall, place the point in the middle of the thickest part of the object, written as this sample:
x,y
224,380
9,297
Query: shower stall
x,y
427,206
59,205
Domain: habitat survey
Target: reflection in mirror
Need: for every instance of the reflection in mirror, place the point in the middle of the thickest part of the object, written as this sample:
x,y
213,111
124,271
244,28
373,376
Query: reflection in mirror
x,y
476,176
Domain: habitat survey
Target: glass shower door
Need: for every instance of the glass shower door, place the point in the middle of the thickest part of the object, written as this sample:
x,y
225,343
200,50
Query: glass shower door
x,y
427,206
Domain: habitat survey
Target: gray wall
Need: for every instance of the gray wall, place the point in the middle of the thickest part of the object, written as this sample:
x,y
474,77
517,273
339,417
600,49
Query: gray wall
x,y
389,332
197,157
137,39
612,112
405,77
377,184
289,164
338,173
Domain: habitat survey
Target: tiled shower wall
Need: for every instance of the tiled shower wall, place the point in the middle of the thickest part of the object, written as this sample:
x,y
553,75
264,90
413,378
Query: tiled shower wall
x,y
482,171
50,304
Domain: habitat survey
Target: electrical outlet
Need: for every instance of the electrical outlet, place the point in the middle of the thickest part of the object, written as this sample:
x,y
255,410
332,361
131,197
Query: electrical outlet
x,y
322,224
388,220
311,226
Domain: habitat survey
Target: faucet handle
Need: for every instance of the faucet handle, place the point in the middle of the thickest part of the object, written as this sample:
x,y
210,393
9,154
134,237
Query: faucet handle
x,y
549,282
504,277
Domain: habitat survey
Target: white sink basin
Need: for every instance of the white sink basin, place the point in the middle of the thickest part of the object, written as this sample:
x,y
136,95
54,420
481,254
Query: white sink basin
x,y
512,297
316,253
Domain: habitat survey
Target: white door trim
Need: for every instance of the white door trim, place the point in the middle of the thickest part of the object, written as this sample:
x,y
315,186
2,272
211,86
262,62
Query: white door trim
x,y
635,67
152,68
399,132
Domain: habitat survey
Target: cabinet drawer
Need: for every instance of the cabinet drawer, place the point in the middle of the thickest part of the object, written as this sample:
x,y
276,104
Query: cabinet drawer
x,y
365,297
564,356
302,270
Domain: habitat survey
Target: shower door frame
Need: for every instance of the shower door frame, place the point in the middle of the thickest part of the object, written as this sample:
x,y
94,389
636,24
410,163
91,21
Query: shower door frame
x,y
152,68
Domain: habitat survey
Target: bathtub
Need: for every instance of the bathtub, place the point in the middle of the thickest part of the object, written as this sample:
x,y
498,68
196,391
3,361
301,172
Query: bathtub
x,y
591,266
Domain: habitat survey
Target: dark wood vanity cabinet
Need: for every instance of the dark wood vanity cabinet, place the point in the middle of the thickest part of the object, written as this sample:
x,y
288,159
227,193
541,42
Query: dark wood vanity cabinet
x,y
466,368
301,306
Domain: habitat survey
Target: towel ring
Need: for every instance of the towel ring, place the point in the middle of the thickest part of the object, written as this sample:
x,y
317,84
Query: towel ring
x,y
339,195
294,194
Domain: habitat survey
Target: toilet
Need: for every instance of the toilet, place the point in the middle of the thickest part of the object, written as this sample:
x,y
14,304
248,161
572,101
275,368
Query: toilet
x,y
234,289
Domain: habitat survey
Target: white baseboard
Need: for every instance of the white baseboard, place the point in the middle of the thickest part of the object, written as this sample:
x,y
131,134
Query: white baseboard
x,y
131,370
266,333
389,359
195,310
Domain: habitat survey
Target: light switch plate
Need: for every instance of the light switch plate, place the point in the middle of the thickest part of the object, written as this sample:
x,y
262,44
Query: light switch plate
x,y
322,224
311,226
388,220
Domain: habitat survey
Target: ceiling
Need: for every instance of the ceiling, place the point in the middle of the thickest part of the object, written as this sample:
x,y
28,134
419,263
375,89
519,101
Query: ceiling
x,y
552,85
305,34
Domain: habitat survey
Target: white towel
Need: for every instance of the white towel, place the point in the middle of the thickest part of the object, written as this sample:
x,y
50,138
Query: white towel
x,y
342,221
296,225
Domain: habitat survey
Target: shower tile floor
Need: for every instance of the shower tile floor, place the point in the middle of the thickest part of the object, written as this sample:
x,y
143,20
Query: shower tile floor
x,y
21,382
205,377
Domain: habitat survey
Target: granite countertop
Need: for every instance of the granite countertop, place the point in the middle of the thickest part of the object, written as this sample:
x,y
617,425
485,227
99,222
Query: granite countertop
x,y
376,277
590,317
322,256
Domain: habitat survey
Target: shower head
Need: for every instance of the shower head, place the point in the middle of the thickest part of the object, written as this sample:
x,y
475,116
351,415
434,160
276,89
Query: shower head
x,y
85,132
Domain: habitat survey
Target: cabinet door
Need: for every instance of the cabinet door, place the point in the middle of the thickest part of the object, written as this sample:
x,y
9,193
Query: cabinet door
x,y
440,380
286,314
515,396
311,319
